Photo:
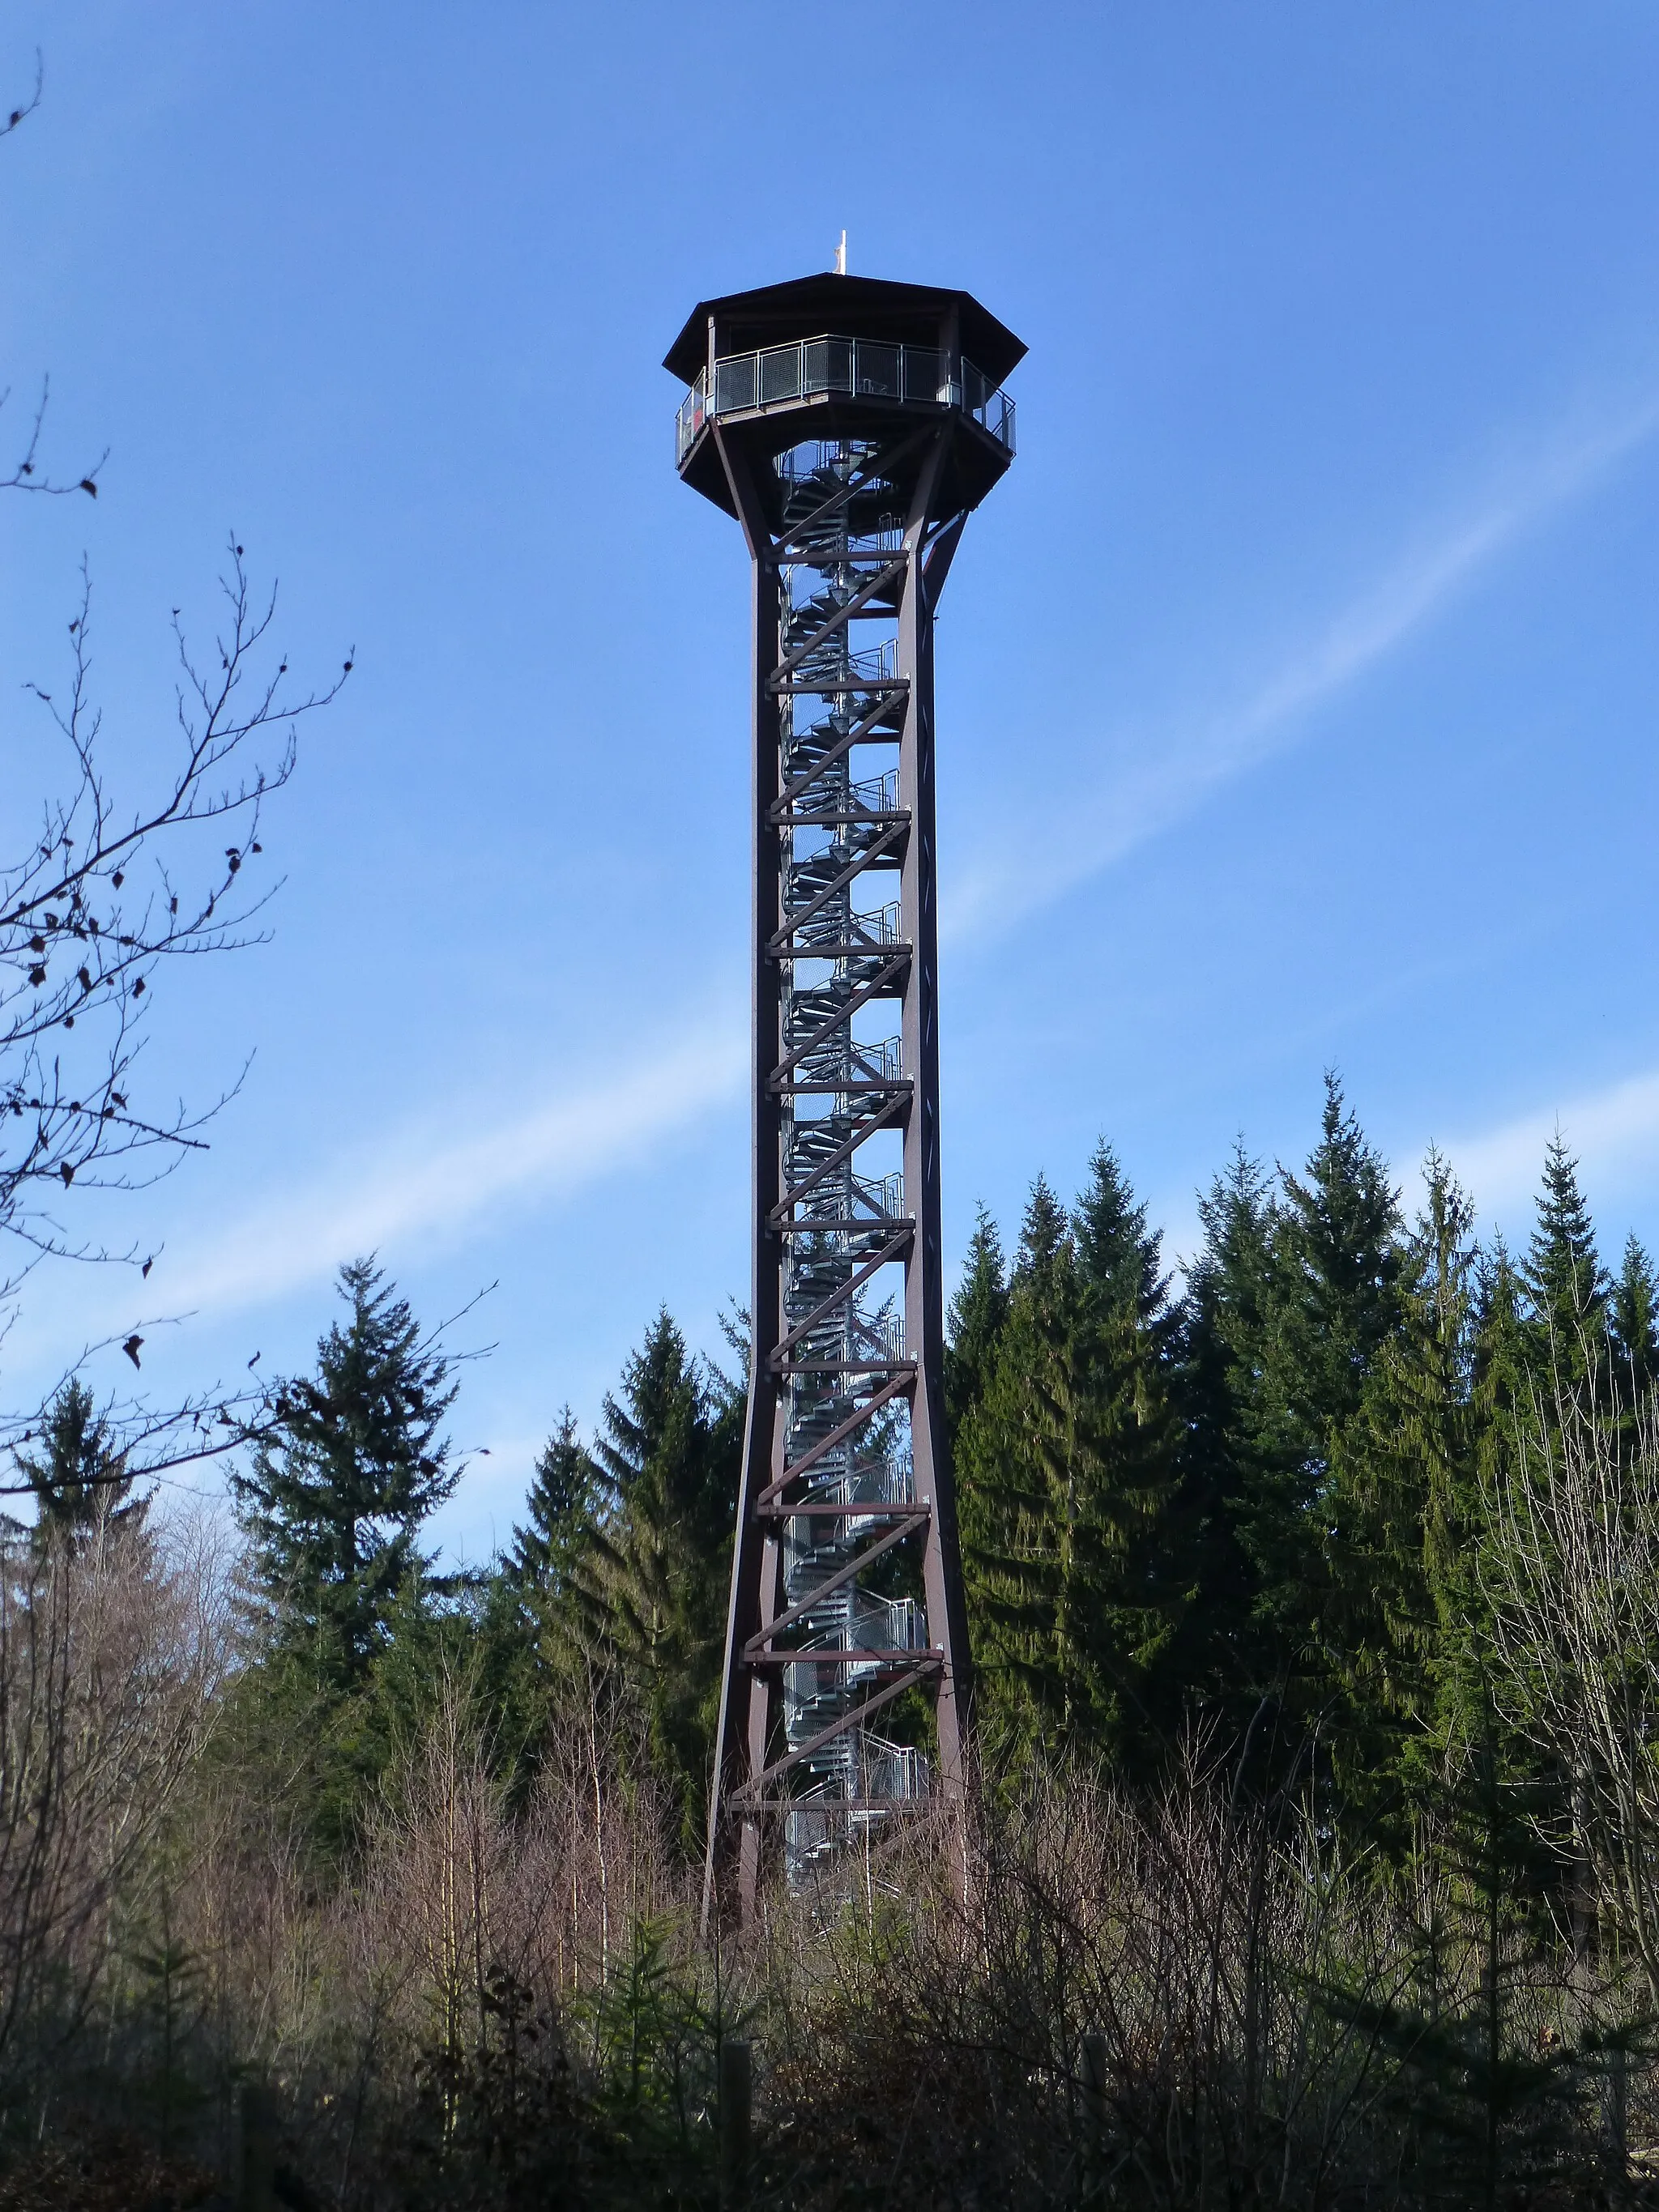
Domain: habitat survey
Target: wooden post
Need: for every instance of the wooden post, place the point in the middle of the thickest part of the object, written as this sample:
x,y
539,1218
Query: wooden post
x,y
736,2086
255,2149
1094,2116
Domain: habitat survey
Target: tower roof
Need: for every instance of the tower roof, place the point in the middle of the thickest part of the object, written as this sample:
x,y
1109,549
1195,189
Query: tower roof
x,y
844,306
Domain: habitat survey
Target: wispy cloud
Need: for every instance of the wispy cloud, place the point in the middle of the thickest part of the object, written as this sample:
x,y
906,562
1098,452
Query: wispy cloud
x,y
1037,862
1614,1133
435,1187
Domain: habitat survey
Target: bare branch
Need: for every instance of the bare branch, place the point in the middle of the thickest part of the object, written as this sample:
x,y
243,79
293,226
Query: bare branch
x,y
21,114
90,913
25,471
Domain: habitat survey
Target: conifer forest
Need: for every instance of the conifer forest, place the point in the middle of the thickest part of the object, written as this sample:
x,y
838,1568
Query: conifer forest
x,y
1314,1857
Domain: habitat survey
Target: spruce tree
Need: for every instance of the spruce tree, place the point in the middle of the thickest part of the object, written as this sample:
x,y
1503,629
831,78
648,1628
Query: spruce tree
x,y
1119,1259
1045,1238
1567,1288
975,1321
76,1475
1220,1391
563,1506
1633,1321
1504,1380
1403,1516
1230,1281
1015,1544
656,1586
1136,1548
1336,1263
1228,1297
548,1566
1332,1300
351,1464
1078,1564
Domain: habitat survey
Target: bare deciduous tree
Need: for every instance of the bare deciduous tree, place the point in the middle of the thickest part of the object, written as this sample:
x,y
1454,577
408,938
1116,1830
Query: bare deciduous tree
x,y
90,912
112,1651
1573,1584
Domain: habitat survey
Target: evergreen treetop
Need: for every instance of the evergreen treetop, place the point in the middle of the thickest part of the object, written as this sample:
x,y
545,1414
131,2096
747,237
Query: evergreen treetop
x,y
352,1464
1563,1276
1402,1514
1118,1256
563,1506
1078,1552
1045,1236
1228,1282
1633,1318
977,1315
1301,1285
655,1587
654,1444
1502,1351
1336,1267
77,1477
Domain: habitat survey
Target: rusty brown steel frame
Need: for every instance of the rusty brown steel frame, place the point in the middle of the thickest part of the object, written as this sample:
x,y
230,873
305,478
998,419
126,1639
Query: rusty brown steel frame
x,y
747,1769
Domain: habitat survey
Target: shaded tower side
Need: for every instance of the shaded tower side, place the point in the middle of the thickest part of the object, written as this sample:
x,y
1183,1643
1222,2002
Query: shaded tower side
x,y
850,434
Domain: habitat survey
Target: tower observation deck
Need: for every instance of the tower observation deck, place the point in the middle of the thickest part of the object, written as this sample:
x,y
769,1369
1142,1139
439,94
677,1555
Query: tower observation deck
x,y
850,426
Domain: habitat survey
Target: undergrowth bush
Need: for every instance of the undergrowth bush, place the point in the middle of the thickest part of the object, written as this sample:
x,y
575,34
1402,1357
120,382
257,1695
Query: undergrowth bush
x,y
504,1998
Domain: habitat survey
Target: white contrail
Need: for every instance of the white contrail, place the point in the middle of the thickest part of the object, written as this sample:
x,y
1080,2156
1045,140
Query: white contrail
x,y
1614,1134
434,1187
1037,862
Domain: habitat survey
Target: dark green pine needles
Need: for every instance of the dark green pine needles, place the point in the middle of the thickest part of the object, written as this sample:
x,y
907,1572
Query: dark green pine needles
x,y
351,1464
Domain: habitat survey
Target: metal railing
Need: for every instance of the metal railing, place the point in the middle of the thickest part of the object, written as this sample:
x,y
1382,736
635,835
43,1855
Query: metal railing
x,y
878,923
866,368
873,1482
883,1195
893,1770
826,934
880,1061
886,1623
875,1336
824,670
873,1199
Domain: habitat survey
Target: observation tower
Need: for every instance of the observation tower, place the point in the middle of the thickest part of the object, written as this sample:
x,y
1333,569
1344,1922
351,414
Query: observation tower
x,y
850,426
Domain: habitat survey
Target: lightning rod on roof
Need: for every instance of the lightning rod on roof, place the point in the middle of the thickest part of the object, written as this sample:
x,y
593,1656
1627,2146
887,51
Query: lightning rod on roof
x,y
840,256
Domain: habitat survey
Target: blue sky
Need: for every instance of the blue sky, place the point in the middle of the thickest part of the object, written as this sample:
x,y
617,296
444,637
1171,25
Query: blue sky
x,y
1296,690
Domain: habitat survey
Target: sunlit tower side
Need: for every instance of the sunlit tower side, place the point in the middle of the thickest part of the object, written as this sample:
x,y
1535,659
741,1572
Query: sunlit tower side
x,y
850,426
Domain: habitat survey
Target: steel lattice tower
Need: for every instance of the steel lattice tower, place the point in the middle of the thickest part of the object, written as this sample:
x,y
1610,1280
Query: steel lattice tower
x,y
850,426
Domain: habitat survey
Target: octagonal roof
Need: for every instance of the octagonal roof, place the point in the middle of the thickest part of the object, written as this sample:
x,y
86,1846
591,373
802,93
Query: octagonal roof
x,y
846,307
